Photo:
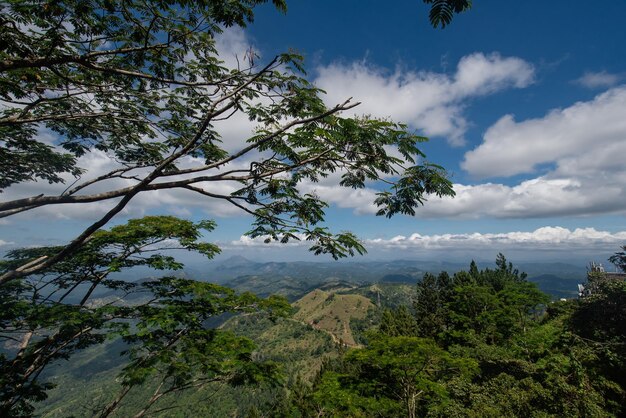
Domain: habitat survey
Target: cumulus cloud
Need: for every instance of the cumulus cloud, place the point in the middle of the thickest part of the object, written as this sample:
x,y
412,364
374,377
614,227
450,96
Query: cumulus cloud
x,y
582,131
361,200
266,242
574,157
578,152
534,198
582,147
427,100
590,181
600,79
541,243
545,237
232,45
538,197
575,154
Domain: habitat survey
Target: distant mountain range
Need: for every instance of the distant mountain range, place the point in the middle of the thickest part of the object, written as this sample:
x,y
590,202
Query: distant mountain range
x,y
293,279
369,271
298,277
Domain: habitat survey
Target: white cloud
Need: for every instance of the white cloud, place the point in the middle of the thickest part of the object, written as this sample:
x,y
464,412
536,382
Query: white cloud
x,y
582,131
361,200
479,74
545,237
432,102
600,79
580,150
429,99
583,145
232,45
235,131
245,241
546,243
539,197
3,243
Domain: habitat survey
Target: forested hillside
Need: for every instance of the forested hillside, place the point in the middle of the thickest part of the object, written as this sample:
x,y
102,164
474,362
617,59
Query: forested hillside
x,y
476,343
482,343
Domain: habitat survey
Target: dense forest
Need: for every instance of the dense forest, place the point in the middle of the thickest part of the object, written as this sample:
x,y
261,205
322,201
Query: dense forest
x,y
482,343
479,342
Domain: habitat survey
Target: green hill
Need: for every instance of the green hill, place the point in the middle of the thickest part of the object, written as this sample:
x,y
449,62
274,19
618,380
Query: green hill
x,y
299,344
332,312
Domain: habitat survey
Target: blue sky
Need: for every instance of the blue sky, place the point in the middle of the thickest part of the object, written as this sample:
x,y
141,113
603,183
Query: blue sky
x,y
524,103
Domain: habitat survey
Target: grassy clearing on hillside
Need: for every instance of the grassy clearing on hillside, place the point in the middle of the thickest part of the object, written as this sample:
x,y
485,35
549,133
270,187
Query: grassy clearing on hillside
x,y
332,312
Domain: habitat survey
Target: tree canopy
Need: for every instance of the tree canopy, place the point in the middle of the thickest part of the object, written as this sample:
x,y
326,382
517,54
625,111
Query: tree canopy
x,y
143,85
483,343
442,11
49,316
619,259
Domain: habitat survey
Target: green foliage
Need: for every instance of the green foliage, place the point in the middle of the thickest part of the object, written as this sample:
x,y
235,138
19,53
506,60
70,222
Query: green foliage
x,y
496,348
442,11
54,314
490,304
546,371
399,322
600,320
562,358
432,294
602,315
296,348
619,259
53,45
392,376
144,84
